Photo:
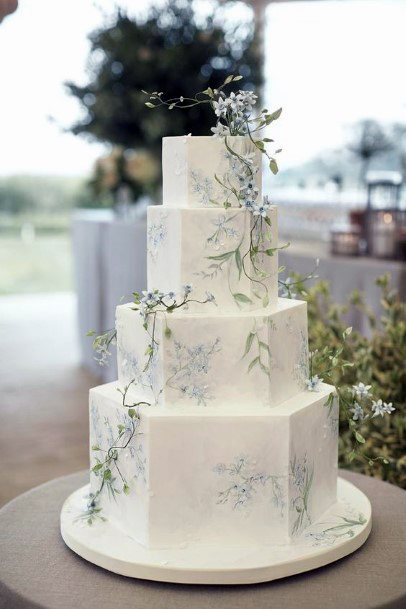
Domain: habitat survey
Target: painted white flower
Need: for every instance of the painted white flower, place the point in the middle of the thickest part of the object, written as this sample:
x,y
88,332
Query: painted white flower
x,y
313,383
381,408
358,412
361,390
171,295
210,297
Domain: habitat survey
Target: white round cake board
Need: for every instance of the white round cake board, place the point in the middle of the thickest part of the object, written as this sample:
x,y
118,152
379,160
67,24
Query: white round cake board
x,y
341,530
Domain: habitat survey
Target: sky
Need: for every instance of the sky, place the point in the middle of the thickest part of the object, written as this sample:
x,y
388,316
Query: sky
x,y
328,64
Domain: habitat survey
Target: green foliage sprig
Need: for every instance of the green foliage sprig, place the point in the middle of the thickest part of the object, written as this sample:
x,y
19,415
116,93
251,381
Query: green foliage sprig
x,y
152,302
233,114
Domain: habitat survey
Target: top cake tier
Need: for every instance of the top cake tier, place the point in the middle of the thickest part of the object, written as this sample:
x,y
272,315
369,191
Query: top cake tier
x,y
208,171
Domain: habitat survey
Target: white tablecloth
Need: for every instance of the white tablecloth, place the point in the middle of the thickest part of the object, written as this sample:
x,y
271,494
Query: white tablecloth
x,y
110,263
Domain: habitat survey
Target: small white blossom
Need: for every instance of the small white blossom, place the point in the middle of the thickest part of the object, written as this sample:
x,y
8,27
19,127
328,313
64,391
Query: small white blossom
x,y
261,210
187,289
313,383
150,298
210,297
380,408
361,390
220,130
358,412
220,107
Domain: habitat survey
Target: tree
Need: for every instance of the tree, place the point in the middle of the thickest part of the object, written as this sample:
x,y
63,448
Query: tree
x,y
173,49
369,141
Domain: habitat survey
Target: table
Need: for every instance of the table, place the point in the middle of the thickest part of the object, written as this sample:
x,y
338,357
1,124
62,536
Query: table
x,y
345,274
110,263
37,571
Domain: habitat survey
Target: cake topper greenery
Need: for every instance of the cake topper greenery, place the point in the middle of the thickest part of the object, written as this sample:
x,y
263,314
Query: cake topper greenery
x,y
234,117
233,114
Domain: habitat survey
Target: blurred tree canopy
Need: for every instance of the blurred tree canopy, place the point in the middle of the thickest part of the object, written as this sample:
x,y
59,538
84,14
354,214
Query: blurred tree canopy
x,y
177,49
369,141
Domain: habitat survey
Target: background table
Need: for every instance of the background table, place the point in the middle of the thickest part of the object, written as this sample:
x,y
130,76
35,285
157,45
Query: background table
x,y
110,262
37,570
346,274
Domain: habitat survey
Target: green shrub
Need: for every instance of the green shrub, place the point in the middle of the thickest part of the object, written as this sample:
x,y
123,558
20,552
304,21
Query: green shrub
x,y
378,361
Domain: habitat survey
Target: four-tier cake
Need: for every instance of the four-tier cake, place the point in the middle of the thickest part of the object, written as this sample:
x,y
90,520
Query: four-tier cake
x,y
211,435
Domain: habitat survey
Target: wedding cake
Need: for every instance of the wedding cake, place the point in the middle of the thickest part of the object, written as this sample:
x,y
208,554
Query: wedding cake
x,y
214,455
226,445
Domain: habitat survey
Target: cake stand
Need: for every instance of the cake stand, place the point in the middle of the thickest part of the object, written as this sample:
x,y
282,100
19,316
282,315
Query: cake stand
x,y
341,531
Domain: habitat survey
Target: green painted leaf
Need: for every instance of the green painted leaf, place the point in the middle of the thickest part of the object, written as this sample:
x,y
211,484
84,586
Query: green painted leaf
x,y
149,105
168,332
97,467
242,298
126,489
238,262
254,362
248,343
132,413
107,474
265,347
224,256
96,447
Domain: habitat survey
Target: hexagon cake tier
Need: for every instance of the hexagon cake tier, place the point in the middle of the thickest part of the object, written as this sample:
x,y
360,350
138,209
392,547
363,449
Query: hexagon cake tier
x,y
211,249
202,171
211,476
224,360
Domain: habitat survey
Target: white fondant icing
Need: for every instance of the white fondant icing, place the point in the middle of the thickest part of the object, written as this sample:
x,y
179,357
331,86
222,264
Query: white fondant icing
x,y
223,360
221,477
190,164
210,249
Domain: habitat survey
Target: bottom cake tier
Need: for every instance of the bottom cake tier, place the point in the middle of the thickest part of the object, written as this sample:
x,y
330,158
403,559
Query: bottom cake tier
x,y
174,477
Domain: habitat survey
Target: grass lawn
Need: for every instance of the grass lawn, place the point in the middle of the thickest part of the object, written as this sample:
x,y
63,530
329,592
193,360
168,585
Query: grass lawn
x,y
43,264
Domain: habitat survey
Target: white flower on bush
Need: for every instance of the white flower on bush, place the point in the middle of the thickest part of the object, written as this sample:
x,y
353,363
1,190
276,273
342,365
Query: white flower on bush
x,y
358,412
361,390
381,408
210,297
313,383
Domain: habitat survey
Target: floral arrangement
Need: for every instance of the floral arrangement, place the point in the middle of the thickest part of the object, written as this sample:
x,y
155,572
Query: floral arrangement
x,y
233,113
234,117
